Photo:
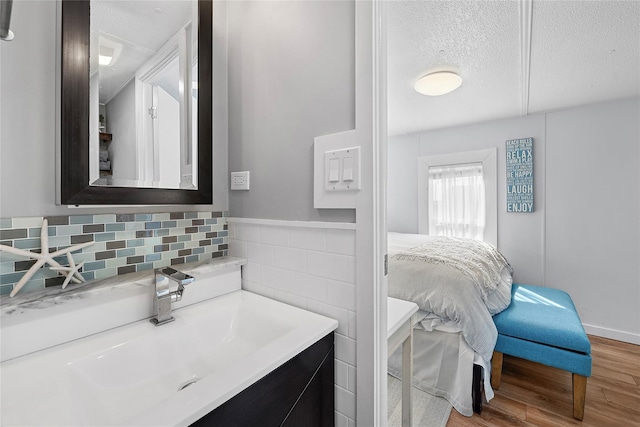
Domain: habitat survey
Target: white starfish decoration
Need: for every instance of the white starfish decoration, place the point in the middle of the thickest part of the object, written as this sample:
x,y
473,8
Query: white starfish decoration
x,y
43,257
73,271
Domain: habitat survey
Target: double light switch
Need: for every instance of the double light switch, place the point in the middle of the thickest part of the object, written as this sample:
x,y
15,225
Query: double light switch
x,y
342,169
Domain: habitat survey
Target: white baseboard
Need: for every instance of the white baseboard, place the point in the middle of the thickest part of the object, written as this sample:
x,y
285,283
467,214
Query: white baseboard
x,y
612,334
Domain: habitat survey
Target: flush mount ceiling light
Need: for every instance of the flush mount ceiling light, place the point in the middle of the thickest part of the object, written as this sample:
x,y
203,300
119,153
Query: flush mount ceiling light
x,y
109,51
106,55
438,83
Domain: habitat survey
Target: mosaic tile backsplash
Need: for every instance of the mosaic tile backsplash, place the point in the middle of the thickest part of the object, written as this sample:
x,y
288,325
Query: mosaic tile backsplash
x,y
124,243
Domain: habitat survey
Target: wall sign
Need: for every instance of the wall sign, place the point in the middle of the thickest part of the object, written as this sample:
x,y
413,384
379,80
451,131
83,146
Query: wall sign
x,y
520,175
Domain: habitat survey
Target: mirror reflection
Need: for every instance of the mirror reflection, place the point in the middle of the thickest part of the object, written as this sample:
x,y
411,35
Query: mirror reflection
x,y
143,94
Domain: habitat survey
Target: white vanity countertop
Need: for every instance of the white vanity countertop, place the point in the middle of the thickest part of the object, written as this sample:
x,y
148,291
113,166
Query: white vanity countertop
x,y
38,320
131,375
56,296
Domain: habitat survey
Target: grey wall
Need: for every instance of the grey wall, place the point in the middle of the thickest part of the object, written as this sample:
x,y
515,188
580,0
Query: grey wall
x,y
593,211
27,122
402,183
291,78
584,235
28,117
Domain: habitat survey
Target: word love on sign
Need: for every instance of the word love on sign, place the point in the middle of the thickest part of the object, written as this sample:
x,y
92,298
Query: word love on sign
x,y
520,175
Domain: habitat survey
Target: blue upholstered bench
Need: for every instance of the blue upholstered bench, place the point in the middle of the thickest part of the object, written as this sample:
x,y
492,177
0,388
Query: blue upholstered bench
x,y
542,325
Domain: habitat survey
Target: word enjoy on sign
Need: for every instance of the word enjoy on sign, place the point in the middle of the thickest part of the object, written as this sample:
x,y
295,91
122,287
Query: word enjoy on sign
x,y
519,207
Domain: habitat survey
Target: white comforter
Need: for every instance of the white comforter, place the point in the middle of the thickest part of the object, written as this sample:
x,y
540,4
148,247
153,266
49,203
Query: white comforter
x,y
463,292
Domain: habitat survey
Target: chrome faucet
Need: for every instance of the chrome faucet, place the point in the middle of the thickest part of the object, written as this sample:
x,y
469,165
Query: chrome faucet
x,y
163,297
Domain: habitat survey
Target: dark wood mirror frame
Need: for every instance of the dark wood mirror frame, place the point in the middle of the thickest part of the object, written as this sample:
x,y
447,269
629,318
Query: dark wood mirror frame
x,y
74,115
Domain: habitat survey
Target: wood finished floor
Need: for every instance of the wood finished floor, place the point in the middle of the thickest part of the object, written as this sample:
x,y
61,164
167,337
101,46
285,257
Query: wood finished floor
x,y
531,394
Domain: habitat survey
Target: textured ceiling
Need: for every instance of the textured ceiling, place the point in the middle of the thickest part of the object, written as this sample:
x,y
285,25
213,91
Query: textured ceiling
x,y
141,27
515,57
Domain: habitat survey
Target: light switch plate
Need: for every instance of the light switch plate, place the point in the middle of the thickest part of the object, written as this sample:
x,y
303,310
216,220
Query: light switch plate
x,y
345,193
240,180
348,173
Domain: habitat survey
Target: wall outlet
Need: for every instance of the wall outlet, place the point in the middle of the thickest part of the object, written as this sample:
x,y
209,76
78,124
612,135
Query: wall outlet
x,y
240,180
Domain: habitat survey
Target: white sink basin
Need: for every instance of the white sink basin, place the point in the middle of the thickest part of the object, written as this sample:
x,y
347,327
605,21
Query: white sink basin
x,y
136,374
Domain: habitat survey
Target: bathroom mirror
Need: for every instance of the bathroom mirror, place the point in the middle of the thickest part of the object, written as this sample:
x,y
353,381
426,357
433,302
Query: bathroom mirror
x,y
143,69
177,59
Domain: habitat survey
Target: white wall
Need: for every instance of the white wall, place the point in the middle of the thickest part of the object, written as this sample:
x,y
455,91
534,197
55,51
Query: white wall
x,y
168,146
311,266
584,236
28,116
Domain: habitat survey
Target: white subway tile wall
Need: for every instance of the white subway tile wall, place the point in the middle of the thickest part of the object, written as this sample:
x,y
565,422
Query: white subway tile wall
x,y
312,268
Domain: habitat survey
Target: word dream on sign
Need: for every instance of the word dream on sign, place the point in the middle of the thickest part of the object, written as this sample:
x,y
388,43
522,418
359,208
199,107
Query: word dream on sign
x,y
520,175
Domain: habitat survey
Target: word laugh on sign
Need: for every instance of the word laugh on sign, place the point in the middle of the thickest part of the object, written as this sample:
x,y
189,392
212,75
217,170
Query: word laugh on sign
x,y
520,175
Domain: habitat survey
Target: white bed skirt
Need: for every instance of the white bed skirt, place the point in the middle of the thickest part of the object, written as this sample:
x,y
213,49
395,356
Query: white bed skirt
x,y
443,366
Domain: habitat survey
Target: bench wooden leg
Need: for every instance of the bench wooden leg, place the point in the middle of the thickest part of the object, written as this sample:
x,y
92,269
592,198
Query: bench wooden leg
x,y
496,369
579,393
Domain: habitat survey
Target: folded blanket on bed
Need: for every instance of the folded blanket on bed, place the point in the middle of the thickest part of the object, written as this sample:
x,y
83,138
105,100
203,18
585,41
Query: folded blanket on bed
x,y
457,280
479,261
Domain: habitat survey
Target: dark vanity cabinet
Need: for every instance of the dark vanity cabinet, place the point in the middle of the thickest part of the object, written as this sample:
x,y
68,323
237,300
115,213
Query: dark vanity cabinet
x,y
298,393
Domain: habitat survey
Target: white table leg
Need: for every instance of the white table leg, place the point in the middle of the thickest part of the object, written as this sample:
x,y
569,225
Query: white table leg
x,y
407,377
400,323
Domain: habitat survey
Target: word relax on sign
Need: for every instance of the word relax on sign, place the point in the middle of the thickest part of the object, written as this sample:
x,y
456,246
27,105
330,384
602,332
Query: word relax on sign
x,y
520,156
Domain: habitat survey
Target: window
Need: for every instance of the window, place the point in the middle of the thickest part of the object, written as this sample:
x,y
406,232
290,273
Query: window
x,y
458,195
457,201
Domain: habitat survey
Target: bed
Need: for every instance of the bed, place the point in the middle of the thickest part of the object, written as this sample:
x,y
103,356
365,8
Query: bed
x,y
458,284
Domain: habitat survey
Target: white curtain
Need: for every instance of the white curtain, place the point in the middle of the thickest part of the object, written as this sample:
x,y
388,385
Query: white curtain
x,y
457,201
